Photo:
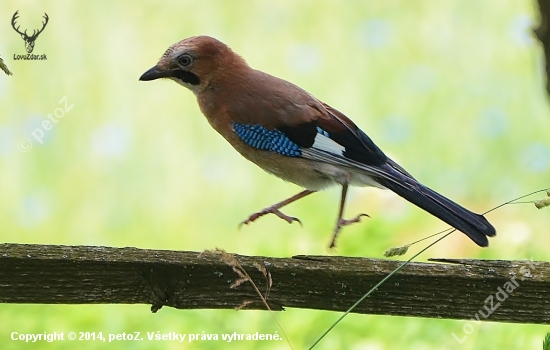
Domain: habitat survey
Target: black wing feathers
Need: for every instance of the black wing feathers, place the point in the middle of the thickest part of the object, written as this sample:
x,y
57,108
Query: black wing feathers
x,y
302,134
359,149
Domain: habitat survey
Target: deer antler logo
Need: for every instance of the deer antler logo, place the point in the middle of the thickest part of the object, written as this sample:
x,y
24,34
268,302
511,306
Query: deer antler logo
x,y
29,40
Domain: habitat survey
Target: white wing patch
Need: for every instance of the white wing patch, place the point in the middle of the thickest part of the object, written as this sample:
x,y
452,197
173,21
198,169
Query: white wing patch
x,y
326,144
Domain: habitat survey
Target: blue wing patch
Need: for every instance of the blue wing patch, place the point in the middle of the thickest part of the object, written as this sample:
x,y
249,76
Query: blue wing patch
x,y
322,132
270,140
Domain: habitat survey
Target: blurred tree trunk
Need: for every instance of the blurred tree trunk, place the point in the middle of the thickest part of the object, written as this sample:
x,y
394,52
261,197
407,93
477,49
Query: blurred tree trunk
x,y
543,34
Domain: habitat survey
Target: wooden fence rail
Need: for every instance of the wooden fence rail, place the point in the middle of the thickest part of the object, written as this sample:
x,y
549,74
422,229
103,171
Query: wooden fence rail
x,y
494,290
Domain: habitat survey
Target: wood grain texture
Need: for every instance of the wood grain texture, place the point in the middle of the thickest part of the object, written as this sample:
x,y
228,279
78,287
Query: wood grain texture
x,y
454,289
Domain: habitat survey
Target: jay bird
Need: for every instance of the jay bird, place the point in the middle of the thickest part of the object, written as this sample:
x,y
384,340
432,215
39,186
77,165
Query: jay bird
x,y
291,134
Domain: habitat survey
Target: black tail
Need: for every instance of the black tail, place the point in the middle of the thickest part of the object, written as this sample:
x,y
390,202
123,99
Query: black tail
x,y
473,225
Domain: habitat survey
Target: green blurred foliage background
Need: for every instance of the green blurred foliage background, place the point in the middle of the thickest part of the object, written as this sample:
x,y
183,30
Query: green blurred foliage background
x,y
452,90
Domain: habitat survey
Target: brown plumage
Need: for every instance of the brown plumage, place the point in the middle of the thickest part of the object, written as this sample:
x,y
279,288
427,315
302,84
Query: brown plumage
x,y
291,134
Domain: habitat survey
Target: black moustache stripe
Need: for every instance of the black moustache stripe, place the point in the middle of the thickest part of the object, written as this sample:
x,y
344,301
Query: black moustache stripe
x,y
186,77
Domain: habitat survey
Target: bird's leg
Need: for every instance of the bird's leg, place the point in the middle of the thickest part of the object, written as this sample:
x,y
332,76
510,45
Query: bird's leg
x,y
343,222
274,209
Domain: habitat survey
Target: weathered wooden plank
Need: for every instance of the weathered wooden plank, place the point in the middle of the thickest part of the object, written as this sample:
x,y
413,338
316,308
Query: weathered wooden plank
x,y
456,289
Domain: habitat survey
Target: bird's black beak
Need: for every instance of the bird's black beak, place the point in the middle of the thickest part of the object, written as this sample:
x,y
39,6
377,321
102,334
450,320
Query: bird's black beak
x,y
176,73
155,73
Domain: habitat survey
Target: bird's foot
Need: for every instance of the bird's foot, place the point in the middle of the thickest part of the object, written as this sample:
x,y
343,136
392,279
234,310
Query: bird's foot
x,y
341,223
270,210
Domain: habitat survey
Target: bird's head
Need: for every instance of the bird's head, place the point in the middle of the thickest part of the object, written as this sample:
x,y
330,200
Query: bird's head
x,y
195,63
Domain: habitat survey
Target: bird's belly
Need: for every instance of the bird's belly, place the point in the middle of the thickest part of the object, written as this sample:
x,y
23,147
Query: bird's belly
x,y
309,174
299,171
362,180
344,175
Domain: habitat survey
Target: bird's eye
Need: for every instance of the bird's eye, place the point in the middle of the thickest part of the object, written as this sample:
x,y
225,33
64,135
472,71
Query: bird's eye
x,y
185,60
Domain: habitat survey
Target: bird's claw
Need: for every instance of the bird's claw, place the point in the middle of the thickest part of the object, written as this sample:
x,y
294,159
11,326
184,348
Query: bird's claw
x,y
270,210
343,222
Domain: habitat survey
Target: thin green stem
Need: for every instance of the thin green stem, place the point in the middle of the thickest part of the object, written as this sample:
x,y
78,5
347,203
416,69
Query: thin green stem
x,y
373,289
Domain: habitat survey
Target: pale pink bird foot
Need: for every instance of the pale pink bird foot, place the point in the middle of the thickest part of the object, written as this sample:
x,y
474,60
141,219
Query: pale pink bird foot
x,y
341,223
270,210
